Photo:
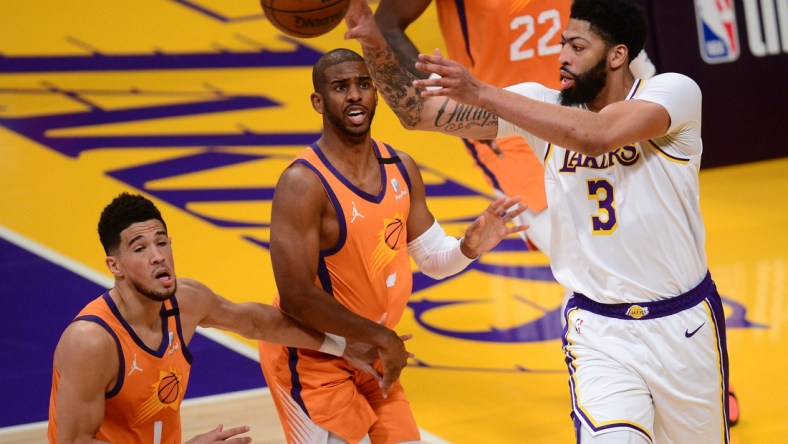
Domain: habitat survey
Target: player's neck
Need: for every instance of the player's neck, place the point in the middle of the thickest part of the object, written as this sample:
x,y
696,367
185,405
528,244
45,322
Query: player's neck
x,y
618,86
355,160
352,150
139,311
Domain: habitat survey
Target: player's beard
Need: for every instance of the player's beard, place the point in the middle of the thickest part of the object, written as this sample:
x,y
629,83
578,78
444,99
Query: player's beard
x,y
586,86
339,123
155,295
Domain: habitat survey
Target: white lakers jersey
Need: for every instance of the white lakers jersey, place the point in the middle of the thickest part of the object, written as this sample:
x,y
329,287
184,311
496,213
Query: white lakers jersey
x,y
626,225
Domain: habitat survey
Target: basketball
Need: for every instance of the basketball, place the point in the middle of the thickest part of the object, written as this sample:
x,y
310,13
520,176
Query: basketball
x,y
305,18
392,233
169,388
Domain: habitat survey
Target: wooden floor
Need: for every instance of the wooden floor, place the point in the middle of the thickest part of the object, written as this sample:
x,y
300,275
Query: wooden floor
x,y
200,105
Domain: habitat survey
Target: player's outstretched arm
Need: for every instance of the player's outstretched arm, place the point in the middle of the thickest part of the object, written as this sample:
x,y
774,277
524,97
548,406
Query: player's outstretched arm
x,y
588,131
439,255
396,85
252,320
492,226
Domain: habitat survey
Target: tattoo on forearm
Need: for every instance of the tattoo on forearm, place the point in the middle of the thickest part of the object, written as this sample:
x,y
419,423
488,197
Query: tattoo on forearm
x,y
395,84
463,116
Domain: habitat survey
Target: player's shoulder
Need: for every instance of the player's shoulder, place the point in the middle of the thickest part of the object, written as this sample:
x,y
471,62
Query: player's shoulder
x,y
299,178
194,299
188,286
404,156
673,80
87,338
409,162
535,91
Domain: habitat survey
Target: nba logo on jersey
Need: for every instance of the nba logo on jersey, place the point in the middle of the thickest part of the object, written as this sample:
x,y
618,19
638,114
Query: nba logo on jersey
x,y
717,33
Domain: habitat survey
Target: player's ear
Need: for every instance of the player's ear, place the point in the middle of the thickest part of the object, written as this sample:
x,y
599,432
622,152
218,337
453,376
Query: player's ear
x,y
317,102
618,56
113,266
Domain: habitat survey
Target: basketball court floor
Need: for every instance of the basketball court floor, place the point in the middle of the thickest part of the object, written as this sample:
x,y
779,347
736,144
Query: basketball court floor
x,y
200,104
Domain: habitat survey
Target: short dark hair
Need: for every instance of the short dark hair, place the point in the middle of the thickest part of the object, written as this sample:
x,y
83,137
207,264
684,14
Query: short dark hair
x,y
615,21
125,210
329,59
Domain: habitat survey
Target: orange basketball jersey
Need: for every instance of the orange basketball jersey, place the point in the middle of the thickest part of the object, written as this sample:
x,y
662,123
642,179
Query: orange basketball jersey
x,y
368,271
505,42
144,405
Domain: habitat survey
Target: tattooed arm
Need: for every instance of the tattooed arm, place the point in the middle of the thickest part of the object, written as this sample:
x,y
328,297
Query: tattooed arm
x,y
395,84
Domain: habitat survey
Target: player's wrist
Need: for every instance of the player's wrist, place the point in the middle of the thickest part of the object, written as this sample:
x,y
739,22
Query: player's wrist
x,y
467,251
333,345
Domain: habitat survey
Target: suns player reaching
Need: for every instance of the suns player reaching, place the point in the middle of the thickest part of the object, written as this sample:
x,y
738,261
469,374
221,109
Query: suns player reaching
x,y
122,366
645,342
342,274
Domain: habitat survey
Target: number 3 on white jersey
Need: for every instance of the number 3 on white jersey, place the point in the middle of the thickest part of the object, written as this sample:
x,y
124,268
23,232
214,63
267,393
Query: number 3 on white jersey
x,y
605,221
517,50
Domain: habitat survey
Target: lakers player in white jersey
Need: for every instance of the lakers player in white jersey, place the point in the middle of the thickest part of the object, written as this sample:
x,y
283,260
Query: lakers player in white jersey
x,y
645,338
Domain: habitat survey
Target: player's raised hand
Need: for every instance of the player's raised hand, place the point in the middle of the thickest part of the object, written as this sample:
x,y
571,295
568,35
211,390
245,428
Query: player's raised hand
x,y
492,226
453,80
220,435
361,25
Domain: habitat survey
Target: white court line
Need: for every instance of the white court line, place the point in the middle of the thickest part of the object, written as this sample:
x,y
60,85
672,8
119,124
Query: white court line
x,y
210,333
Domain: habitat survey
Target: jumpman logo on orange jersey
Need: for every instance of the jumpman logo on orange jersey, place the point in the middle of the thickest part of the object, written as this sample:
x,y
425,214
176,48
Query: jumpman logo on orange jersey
x,y
355,213
134,365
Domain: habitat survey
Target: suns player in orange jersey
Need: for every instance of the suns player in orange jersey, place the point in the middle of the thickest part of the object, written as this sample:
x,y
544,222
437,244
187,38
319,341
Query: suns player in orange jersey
x,y
347,216
502,42
122,366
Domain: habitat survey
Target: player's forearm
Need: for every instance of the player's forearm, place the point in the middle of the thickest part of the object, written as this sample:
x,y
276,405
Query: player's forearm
x,y
279,328
577,129
394,83
405,51
321,313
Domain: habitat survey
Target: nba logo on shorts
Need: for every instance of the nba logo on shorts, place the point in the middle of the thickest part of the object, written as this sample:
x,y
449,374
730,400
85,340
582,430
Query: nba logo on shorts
x,y
717,33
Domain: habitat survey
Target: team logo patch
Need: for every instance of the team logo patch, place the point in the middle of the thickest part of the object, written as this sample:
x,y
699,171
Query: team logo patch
x,y
637,312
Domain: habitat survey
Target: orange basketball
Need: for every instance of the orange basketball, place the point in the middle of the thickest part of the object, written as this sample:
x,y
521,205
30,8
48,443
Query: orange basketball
x,y
305,18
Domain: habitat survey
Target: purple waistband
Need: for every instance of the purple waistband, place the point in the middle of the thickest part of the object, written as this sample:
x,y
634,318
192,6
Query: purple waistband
x,y
647,310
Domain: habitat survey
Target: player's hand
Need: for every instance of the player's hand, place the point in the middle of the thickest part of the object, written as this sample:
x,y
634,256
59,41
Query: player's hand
x,y
220,435
393,358
492,226
363,356
361,25
453,81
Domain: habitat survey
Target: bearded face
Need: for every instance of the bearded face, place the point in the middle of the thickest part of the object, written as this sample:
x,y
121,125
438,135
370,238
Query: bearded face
x,y
586,86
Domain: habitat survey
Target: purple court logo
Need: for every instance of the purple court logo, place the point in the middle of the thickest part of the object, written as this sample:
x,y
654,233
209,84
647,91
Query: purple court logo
x,y
717,34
